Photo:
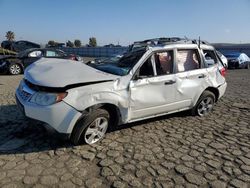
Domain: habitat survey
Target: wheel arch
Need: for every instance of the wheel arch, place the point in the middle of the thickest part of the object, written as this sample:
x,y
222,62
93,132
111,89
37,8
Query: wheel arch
x,y
112,109
215,91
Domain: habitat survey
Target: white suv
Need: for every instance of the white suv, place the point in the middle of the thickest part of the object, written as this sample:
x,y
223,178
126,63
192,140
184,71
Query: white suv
x,y
84,101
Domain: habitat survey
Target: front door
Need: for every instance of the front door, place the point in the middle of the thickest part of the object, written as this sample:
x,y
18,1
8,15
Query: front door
x,y
153,89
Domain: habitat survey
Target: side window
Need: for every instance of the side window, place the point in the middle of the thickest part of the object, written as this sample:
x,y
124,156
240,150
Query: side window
x,y
187,60
210,55
146,70
50,53
35,54
164,62
59,54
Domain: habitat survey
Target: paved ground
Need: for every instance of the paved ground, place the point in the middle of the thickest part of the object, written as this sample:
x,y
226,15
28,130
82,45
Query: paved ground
x,y
171,151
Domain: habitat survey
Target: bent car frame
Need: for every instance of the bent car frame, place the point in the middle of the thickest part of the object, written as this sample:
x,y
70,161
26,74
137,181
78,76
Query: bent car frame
x,y
87,100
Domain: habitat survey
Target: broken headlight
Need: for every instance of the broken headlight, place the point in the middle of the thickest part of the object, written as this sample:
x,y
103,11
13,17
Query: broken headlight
x,y
44,99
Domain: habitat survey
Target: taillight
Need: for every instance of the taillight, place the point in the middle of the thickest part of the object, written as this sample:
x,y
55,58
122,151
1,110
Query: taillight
x,y
223,71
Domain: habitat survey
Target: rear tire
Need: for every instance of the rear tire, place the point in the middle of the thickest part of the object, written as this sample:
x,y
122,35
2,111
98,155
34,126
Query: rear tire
x,y
247,67
15,69
91,128
205,104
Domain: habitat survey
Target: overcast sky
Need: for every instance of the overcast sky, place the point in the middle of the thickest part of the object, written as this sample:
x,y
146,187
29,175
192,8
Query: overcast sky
x,y
125,21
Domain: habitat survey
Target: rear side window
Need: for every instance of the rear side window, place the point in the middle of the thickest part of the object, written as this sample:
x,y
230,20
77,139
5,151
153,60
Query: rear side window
x,y
210,55
187,60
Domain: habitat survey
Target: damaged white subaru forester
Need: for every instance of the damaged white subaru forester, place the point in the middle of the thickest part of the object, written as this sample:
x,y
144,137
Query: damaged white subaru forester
x,y
161,76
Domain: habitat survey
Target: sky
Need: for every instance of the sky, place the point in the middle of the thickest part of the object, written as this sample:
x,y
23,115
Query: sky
x,y
124,21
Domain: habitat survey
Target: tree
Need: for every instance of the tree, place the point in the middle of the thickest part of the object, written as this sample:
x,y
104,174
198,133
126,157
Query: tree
x,y
52,43
10,36
92,42
70,44
77,43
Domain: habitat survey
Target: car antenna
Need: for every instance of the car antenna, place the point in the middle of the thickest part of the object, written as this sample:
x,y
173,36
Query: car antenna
x,y
199,42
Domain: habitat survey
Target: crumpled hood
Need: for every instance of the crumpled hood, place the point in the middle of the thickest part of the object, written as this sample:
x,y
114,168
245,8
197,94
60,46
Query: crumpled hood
x,y
60,73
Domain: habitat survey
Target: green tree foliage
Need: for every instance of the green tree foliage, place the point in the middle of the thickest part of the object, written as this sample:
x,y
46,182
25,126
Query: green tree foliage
x,y
77,43
10,35
92,42
52,43
70,44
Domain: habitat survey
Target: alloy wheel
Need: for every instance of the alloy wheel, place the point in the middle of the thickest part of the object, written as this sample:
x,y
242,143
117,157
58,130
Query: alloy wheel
x,y
96,130
205,106
15,69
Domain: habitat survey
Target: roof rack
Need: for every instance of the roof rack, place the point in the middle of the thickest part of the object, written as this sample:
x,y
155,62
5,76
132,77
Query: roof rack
x,y
163,41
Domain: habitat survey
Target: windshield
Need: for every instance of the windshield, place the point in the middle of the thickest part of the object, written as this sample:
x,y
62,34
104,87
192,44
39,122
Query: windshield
x,y
122,66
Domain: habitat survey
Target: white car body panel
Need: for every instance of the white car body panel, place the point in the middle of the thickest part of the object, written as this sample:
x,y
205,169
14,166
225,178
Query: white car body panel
x,y
62,72
135,99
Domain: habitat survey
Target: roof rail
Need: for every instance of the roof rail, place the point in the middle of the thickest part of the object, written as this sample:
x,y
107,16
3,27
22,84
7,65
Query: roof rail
x,y
167,40
163,41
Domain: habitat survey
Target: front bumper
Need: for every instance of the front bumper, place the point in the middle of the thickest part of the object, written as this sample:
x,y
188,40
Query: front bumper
x,y
222,89
59,116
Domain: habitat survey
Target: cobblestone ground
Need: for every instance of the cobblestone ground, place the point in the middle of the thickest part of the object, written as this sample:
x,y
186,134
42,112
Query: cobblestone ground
x,y
172,151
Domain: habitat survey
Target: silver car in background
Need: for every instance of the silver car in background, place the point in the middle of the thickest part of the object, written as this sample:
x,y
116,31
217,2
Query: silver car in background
x,y
238,60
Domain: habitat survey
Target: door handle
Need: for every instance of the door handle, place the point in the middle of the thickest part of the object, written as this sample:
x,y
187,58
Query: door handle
x,y
169,82
202,76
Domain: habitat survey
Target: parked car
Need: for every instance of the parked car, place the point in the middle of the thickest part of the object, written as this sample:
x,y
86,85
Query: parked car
x,y
11,64
19,46
223,58
84,101
238,60
27,57
7,44
24,45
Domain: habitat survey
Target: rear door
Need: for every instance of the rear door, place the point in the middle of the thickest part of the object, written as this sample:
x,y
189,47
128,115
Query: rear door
x,y
191,76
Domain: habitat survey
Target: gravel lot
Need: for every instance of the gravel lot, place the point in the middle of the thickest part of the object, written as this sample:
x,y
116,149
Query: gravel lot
x,y
172,151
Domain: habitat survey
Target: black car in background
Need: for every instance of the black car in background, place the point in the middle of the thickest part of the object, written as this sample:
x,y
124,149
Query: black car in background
x,y
24,45
7,44
19,46
238,60
16,64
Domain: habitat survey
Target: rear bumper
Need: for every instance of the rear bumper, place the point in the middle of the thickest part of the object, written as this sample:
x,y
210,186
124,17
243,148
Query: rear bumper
x,y
222,89
60,116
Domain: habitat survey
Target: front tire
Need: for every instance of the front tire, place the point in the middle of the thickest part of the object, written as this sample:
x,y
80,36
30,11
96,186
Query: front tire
x,y
91,128
205,104
15,69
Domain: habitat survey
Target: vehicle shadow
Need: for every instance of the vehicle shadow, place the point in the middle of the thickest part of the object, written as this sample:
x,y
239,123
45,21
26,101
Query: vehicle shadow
x,y
20,135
